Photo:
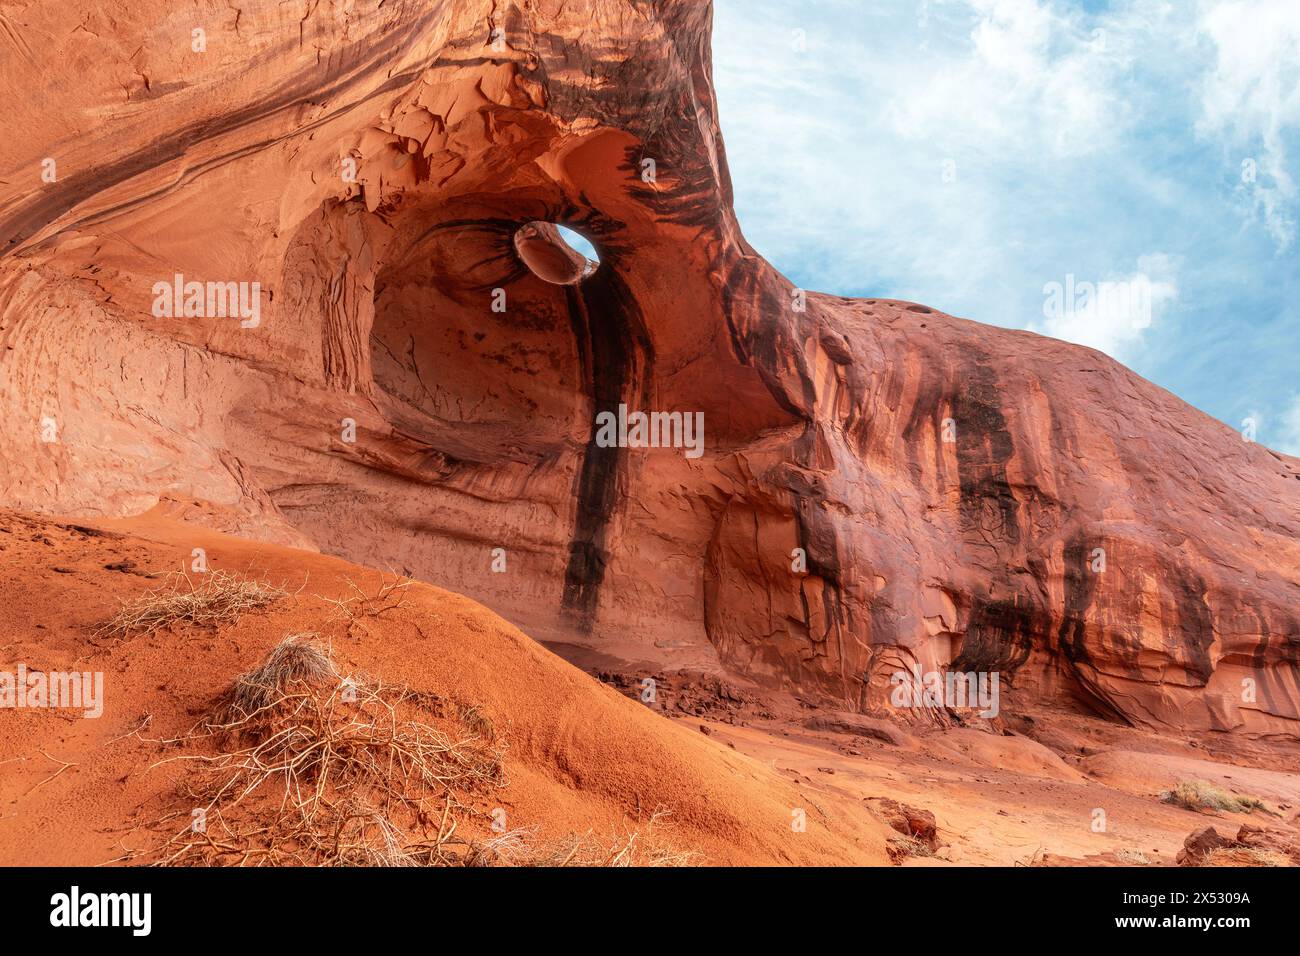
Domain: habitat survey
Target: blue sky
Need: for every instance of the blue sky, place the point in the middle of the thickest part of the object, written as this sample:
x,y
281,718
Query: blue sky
x,y
969,153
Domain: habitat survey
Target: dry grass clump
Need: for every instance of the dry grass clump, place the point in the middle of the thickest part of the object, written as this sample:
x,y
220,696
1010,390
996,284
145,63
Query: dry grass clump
x,y
1130,857
296,659
218,597
642,846
900,847
315,769
304,766
1202,797
1244,856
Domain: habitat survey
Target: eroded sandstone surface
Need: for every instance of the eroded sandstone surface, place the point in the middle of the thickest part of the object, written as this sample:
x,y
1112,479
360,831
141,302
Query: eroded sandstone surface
x,y
882,485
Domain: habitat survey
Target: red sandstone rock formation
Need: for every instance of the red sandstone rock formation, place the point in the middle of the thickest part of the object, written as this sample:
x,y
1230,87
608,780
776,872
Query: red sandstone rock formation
x,y
415,393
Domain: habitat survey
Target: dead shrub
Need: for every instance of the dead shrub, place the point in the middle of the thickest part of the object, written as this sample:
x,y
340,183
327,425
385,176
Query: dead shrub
x,y
642,845
296,659
900,847
1202,797
314,769
1244,856
214,598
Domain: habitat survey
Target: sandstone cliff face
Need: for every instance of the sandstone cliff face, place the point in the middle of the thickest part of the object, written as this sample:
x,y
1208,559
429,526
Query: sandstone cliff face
x,y
881,485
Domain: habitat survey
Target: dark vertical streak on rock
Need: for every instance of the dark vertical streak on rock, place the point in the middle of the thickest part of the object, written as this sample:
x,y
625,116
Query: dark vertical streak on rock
x,y
818,537
1080,593
748,288
616,355
1193,633
984,447
1001,635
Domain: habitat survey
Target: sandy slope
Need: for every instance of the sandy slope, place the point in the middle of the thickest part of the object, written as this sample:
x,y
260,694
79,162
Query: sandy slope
x,y
581,756
998,809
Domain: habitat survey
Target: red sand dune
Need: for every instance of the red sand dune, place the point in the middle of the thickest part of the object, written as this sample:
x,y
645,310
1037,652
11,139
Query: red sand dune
x,y
580,755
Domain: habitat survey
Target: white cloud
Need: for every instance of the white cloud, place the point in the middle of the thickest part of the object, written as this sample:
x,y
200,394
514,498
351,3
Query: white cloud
x,y
1288,440
839,153
1027,77
964,153
1111,314
1252,97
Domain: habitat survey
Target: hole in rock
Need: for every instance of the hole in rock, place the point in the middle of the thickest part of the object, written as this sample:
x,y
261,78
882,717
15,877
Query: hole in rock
x,y
556,253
